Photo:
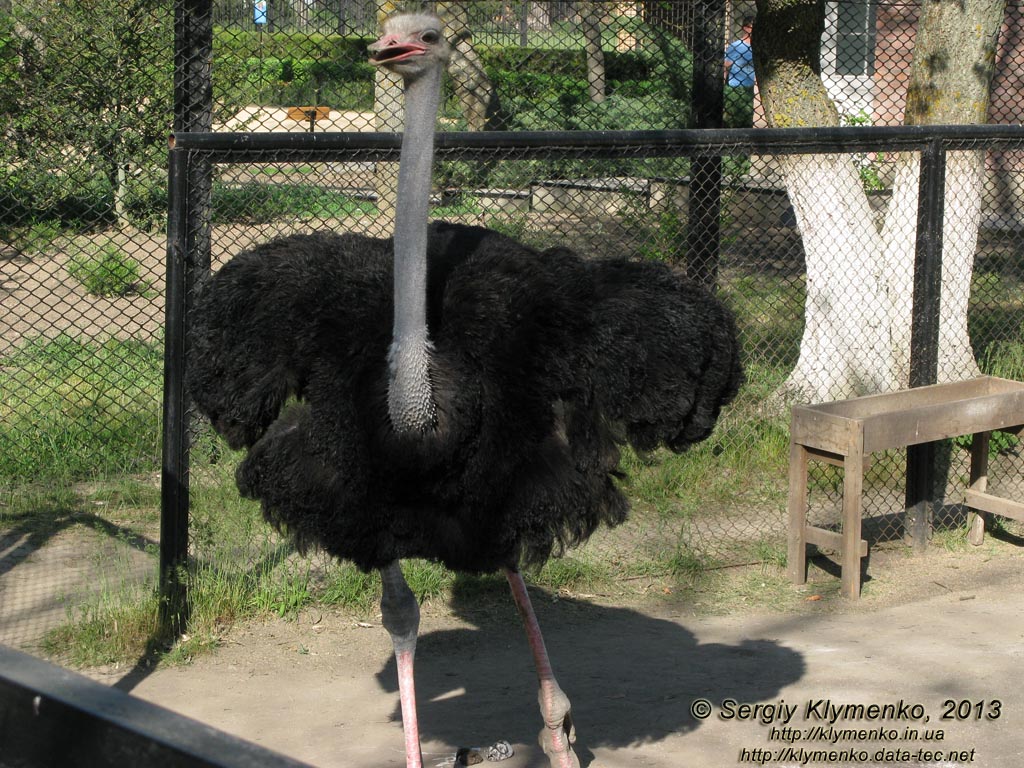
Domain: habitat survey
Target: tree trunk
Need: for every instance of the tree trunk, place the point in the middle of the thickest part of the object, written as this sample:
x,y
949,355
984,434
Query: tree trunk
x,y
860,276
474,90
845,349
590,21
704,209
950,83
388,118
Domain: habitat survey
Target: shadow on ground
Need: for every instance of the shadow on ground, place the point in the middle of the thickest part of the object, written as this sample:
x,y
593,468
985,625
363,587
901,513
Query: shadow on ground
x,y
631,678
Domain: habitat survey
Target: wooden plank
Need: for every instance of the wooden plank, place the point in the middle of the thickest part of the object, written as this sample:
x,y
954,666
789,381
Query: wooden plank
x,y
937,421
995,505
910,417
827,432
905,399
978,483
853,487
835,459
820,537
305,114
796,563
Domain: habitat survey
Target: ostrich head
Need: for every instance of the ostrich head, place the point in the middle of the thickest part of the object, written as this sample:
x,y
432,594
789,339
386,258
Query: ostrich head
x,y
412,43
413,47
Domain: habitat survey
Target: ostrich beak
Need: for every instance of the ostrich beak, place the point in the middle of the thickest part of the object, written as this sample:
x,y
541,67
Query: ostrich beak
x,y
391,48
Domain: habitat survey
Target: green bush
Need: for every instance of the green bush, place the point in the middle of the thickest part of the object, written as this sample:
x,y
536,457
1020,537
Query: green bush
x,y
288,70
106,271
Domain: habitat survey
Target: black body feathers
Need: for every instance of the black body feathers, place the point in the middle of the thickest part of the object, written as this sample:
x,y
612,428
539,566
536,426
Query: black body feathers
x,y
543,363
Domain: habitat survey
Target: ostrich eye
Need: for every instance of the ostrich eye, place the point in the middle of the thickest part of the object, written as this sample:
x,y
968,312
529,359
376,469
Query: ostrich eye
x,y
431,36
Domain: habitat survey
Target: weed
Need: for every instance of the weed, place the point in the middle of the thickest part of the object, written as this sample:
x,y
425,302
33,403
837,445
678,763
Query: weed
x,y
117,626
106,270
348,587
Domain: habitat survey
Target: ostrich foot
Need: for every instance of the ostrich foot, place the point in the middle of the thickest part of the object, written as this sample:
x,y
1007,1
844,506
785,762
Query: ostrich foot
x,y
559,733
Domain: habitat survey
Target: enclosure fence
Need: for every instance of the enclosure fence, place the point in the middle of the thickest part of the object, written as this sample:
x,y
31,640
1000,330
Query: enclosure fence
x,y
90,91
627,192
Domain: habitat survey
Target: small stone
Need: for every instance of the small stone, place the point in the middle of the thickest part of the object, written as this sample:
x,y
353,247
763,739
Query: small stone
x,y
467,756
499,750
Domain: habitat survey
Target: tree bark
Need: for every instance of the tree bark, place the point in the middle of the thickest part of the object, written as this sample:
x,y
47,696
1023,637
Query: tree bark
x,y
388,118
845,348
950,83
477,96
590,22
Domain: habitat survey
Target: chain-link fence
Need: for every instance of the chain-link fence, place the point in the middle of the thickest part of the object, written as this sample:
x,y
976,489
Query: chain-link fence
x,y
83,196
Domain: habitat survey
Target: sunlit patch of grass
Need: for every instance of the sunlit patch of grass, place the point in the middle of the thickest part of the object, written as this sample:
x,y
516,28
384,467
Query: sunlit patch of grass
x,y
73,409
119,626
571,572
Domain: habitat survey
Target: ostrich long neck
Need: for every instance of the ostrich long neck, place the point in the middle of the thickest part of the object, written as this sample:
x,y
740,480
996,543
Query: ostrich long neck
x,y
410,396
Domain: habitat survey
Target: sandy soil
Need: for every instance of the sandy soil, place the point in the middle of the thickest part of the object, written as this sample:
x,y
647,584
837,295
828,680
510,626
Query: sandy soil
x,y
322,688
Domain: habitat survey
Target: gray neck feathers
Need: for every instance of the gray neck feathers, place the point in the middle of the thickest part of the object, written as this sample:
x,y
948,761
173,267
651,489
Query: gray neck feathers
x,y
410,396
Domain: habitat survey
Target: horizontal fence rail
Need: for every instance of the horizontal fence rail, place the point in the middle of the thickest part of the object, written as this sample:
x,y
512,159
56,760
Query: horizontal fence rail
x,y
231,147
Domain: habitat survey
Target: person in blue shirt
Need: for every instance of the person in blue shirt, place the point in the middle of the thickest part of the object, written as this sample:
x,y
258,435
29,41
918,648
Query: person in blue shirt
x,y
739,79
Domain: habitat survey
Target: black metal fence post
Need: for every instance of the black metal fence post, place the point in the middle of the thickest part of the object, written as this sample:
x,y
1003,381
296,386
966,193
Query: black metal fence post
x,y
703,239
190,187
924,333
174,500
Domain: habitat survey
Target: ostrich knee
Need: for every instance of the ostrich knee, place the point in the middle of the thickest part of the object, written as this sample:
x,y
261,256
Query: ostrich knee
x,y
400,614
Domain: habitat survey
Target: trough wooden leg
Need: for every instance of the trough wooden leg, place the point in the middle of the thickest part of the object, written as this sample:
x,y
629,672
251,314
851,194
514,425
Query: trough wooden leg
x,y
796,562
853,485
979,482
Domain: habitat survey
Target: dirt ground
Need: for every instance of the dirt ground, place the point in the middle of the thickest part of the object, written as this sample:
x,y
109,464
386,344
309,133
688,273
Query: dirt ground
x,y
322,688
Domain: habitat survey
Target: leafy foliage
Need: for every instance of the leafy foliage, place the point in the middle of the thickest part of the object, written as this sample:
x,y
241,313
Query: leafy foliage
x,y
79,138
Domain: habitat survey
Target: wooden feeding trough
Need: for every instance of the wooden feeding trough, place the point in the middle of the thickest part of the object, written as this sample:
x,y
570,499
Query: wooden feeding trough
x,y
846,432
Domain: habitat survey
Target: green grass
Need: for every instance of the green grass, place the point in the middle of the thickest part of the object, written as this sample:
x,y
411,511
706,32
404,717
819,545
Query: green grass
x,y
72,409
111,617
260,202
116,627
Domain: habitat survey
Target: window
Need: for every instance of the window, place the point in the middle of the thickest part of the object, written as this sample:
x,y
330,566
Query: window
x,y
855,37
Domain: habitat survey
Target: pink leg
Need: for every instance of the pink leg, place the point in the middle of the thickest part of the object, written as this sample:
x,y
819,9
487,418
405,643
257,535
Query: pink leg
x,y
407,695
401,618
558,734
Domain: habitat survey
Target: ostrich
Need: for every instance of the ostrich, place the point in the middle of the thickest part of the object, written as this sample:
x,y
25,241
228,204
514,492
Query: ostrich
x,y
449,393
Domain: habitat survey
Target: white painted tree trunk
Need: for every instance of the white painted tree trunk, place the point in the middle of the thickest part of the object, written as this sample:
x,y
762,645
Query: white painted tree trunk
x,y
860,280
846,346
961,218
964,183
860,276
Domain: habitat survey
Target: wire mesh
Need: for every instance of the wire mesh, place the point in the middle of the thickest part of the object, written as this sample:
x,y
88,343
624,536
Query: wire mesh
x,y
83,198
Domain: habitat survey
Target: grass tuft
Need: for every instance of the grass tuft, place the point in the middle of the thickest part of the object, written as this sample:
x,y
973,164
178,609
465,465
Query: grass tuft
x,y
106,270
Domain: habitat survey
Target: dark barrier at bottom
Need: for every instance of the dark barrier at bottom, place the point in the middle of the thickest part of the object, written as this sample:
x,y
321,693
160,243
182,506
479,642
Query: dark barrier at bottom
x,y
50,716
